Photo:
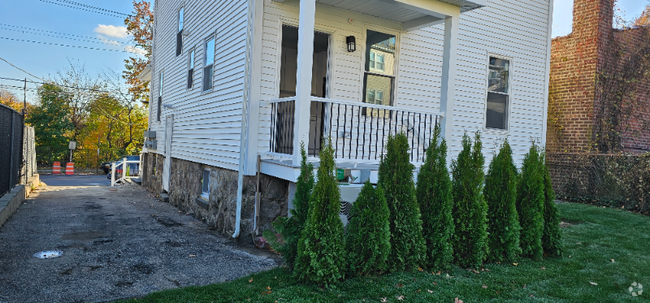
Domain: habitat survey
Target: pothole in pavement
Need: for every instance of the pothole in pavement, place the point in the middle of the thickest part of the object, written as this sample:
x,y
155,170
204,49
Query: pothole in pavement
x,y
166,221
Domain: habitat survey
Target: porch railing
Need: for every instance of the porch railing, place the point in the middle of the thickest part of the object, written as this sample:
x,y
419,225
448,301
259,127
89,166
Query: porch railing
x,y
359,131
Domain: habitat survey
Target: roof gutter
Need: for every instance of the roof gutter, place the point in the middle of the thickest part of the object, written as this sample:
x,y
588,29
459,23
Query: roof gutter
x,y
244,120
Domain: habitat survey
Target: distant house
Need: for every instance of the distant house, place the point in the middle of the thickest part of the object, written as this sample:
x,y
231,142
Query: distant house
x,y
585,114
238,81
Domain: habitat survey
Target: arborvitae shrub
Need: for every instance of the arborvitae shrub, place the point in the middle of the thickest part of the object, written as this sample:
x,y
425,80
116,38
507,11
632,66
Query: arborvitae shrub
x,y
321,254
368,239
396,180
469,210
433,193
501,195
552,236
291,227
530,204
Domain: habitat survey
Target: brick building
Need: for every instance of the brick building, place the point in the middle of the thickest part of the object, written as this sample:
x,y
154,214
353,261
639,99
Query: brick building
x,y
585,114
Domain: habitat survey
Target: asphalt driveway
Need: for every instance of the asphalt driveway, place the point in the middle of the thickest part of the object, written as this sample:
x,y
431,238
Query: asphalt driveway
x,y
115,243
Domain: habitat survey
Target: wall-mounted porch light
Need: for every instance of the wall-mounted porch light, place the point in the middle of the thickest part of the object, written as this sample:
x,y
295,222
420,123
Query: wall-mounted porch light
x,y
351,41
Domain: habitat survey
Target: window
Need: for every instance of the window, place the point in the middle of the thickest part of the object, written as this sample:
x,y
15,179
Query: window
x,y
379,75
205,185
190,71
498,94
208,63
179,35
160,93
376,61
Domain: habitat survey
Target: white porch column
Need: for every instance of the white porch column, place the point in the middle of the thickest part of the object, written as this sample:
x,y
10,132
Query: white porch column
x,y
303,76
448,90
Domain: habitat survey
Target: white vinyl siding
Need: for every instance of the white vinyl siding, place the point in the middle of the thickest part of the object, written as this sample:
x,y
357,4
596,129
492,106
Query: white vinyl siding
x,y
207,125
516,30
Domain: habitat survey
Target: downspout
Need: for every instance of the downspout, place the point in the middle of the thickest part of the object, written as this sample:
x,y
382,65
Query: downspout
x,y
244,118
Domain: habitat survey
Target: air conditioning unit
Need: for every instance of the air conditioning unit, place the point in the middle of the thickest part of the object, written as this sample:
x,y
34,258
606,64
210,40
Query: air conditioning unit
x,y
151,144
149,134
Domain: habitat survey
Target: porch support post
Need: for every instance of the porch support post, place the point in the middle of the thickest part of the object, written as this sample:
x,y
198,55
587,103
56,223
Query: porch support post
x,y
303,76
448,90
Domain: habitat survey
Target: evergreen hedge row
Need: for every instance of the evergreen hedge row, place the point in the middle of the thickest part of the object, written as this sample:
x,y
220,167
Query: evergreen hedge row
x,y
470,210
368,239
291,227
396,181
321,251
530,204
433,193
552,235
501,195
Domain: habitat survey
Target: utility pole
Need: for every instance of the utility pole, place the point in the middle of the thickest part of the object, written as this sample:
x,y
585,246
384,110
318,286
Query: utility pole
x,y
25,99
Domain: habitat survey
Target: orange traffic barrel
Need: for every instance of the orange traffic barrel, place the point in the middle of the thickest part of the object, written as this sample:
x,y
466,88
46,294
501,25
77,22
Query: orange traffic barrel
x,y
56,169
69,168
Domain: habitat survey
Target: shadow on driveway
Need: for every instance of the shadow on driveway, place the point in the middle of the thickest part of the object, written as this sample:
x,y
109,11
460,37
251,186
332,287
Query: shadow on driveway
x,y
116,243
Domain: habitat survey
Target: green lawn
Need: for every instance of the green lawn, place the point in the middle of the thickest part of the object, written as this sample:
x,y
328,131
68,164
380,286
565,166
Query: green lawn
x,y
606,247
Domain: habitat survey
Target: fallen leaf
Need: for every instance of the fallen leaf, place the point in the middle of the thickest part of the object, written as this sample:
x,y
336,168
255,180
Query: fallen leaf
x,y
430,291
543,268
192,256
515,264
418,290
268,288
383,300
267,292
438,273
400,298
498,292
613,261
484,286
475,271
593,283
487,269
400,285
250,280
435,283
458,301
524,285
420,269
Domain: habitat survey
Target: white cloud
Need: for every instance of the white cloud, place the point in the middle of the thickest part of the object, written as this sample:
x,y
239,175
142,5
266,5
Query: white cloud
x,y
109,42
135,50
112,31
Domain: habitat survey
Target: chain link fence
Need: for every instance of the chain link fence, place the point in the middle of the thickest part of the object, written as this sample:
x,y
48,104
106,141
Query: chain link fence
x,y
11,148
613,180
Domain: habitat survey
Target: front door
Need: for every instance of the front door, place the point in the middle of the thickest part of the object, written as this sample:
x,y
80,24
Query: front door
x,y
167,165
288,71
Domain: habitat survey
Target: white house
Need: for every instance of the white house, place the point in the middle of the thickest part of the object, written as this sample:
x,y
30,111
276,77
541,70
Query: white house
x,y
241,80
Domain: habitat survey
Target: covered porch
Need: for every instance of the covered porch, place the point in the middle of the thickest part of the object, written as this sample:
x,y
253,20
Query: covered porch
x,y
358,127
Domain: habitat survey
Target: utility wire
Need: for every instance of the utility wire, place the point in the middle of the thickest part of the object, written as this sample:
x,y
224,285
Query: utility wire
x,y
46,31
68,45
93,7
107,41
60,85
85,9
20,69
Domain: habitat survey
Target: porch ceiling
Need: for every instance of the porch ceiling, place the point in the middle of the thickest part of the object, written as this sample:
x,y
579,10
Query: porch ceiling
x,y
413,14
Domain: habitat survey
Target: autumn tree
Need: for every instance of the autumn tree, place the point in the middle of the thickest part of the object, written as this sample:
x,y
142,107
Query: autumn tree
x,y
140,26
51,123
9,99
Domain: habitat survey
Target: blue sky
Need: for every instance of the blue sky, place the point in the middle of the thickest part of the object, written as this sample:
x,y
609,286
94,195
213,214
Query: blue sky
x,y
46,60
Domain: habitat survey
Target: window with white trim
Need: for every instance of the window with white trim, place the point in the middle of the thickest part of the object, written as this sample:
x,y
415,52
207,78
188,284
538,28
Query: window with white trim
x,y
179,35
498,93
208,63
190,71
205,185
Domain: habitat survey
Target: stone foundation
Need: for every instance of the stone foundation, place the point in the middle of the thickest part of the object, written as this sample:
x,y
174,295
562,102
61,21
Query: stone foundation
x,y
219,210
152,167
